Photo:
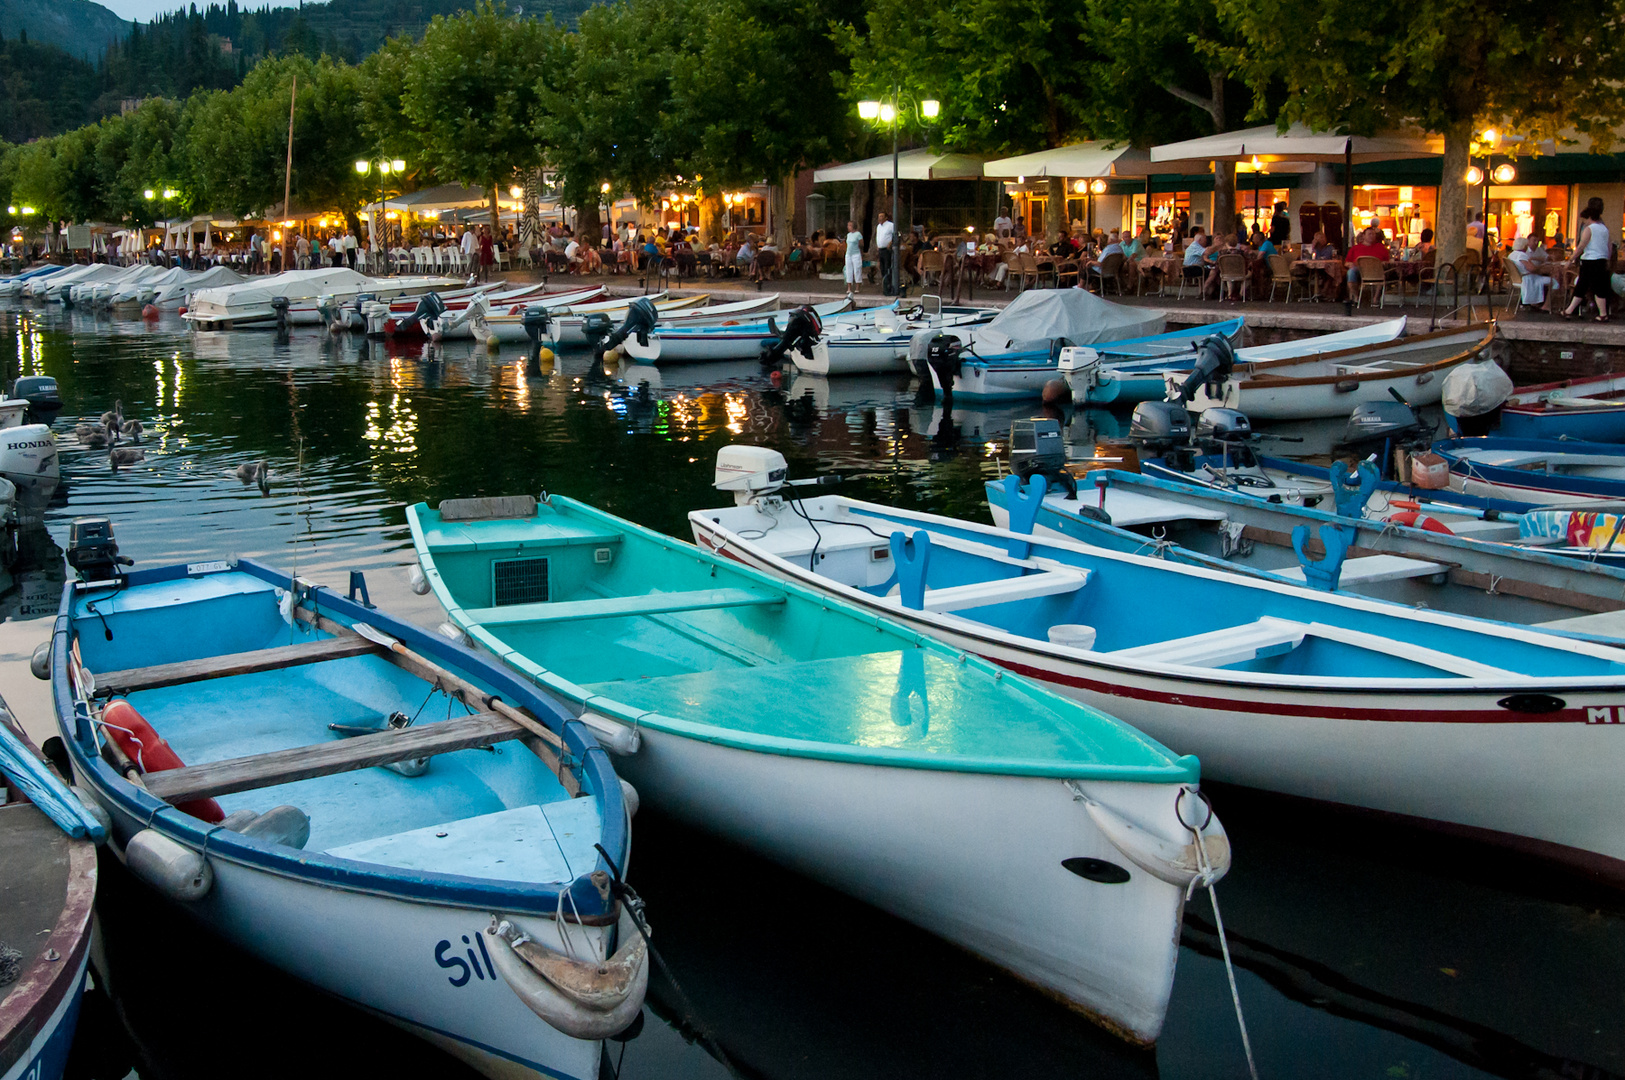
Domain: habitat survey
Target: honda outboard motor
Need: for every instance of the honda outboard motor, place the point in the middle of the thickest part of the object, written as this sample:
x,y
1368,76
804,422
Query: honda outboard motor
x,y
802,329
641,316
1215,359
535,322
1037,449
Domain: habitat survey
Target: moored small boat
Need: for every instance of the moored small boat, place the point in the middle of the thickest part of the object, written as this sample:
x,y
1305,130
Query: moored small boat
x,y
313,781
679,342
891,767
568,328
877,339
1421,714
249,305
1535,470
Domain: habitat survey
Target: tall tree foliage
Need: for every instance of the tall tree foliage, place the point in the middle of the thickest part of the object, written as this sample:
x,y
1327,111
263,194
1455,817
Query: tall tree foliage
x,y
1451,67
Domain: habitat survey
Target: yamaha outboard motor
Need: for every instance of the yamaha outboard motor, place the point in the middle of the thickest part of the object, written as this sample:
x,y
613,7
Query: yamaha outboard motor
x,y
40,391
802,329
1160,425
1037,449
942,354
1377,426
1215,359
641,316
535,322
429,309
279,304
1223,426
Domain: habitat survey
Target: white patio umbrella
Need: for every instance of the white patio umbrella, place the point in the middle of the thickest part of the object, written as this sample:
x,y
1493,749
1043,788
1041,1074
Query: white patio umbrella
x,y
1300,143
1085,159
921,164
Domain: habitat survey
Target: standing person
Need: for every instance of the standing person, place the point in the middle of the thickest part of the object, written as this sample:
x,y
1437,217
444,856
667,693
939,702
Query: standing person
x,y
1592,252
886,253
301,248
488,253
854,259
350,247
469,246
1280,226
1002,225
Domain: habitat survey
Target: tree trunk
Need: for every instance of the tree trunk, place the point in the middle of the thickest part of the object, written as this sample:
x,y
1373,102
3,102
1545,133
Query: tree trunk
x,y
710,218
496,214
589,228
863,197
1450,227
1224,198
782,197
1055,218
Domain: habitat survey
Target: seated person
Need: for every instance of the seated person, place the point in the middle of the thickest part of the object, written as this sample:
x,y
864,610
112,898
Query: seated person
x,y
1370,246
1320,248
1536,284
591,261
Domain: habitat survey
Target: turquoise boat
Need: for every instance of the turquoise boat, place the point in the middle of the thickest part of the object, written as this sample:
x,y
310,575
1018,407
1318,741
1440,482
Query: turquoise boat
x,y
1038,832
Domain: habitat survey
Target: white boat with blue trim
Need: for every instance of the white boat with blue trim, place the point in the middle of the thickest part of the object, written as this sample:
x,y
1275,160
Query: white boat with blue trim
x,y
365,805
1453,722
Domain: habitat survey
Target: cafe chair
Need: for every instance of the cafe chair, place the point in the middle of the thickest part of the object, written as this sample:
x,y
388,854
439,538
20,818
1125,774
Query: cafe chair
x,y
1192,274
1374,278
1233,271
1109,269
1283,276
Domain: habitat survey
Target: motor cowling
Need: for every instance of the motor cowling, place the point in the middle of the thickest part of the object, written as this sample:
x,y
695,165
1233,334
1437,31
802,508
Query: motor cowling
x,y
1223,426
641,317
802,329
1215,360
1159,425
431,306
943,355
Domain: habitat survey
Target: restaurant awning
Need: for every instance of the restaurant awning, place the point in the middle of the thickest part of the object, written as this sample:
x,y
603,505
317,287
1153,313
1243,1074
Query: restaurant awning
x,y
1299,144
439,197
1085,159
920,164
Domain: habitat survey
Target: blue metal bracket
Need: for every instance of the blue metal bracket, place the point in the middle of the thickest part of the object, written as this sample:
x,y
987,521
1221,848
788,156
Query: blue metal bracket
x,y
358,583
1353,489
1323,574
912,557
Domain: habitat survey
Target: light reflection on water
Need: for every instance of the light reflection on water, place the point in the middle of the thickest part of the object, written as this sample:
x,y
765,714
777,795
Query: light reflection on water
x,y
1345,927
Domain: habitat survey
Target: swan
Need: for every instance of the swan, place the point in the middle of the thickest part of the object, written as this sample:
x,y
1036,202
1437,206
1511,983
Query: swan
x,y
125,455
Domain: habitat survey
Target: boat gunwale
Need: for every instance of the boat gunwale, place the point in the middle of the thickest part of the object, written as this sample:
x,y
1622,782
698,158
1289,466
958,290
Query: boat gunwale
x,y
1246,376
330,871
1177,769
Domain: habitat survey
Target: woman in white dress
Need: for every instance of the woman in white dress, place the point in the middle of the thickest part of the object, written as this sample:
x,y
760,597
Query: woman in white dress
x,y
854,259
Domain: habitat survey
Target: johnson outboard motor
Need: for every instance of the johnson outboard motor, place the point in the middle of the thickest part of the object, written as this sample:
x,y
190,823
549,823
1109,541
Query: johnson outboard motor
x,y
942,355
535,322
641,316
1037,449
1215,359
802,329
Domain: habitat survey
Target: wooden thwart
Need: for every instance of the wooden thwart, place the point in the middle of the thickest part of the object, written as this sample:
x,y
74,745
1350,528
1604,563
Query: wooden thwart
x,y
130,680
326,759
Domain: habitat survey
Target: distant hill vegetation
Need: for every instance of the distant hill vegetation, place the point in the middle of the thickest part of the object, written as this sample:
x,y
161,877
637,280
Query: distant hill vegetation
x,y
79,27
71,62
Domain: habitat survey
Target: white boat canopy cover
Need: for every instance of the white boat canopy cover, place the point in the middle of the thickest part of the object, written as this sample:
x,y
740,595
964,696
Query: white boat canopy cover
x,y
292,283
1038,316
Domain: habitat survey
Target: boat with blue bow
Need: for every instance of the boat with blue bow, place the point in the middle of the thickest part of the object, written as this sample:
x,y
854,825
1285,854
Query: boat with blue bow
x,y
1428,716
1032,830
370,807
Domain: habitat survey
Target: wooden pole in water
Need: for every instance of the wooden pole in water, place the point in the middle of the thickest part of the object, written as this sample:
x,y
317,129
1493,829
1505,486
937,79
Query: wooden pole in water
x,y
287,176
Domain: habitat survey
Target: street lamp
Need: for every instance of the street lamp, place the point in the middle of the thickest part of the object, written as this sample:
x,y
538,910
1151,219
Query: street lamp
x,y
386,167
889,113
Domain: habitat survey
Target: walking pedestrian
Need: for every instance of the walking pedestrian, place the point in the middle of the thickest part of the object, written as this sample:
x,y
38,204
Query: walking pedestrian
x,y
487,253
854,259
886,253
1592,253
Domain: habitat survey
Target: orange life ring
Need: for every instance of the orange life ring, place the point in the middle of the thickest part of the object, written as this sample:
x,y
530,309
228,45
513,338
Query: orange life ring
x,y
1420,521
144,746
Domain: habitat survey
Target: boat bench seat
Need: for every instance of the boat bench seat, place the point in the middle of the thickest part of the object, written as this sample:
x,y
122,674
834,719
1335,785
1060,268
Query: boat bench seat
x,y
130,680
1370,569
1268,636
620,607
1000,591
448,540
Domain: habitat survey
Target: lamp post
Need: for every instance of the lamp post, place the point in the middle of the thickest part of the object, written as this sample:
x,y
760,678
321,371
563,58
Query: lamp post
x,y
888,112
386,167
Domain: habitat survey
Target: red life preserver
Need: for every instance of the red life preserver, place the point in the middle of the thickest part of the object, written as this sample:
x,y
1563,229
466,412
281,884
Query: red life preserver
x,y
151,753
1417,520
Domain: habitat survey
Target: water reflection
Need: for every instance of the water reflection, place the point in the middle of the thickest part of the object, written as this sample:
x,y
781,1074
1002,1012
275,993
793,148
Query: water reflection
x,y
1366,951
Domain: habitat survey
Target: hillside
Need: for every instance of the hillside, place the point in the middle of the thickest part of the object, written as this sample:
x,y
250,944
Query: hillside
x,y
80,27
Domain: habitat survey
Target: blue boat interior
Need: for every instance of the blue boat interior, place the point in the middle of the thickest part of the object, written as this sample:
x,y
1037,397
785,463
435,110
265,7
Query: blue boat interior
x,y
1137,612
659,632
497,813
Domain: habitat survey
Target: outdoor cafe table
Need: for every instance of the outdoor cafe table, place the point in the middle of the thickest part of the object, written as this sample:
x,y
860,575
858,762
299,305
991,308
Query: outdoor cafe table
x,y
1333,269
1154,266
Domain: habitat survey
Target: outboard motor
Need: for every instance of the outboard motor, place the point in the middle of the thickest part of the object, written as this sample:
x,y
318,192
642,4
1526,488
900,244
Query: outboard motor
x,y
802,329
332,314
595,327
641,317
942,355
279,304
376,315
1215,359
40,391
429,310
1377,425
356,316
535,322
1223,426
1160,425
93,552
1037,449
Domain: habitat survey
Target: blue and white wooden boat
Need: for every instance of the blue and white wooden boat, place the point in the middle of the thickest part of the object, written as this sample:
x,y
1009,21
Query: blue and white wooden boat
x,y
450,867
48,865
1416,713
1467,566
1036,832
728,340
1535,471
1123,377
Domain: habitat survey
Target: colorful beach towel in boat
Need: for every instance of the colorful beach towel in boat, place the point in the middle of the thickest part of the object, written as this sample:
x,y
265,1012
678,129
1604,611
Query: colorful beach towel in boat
x,y
1577,529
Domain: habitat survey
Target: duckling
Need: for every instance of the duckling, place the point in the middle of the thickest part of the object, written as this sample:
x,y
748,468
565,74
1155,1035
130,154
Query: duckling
x,y
114,417
85,431
134,429
125,455
256,472
97,437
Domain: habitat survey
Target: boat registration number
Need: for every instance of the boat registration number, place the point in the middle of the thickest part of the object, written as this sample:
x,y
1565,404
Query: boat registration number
x,y
207,567
1605,714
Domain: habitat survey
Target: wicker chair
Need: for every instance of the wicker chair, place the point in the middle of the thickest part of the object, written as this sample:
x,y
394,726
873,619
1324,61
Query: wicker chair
x,y
1109,269
1233,271
1374,277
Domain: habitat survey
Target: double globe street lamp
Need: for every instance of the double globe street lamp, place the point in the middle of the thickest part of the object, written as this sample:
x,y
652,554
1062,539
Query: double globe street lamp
x,y
889,113
386,167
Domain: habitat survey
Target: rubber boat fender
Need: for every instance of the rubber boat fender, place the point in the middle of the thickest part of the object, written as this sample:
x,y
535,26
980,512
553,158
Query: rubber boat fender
x,y
629,796
173,869
618,738
584,1000
1175,862
144,746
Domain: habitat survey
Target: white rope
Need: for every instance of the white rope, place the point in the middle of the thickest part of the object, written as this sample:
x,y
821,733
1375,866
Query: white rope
x,y
1204,864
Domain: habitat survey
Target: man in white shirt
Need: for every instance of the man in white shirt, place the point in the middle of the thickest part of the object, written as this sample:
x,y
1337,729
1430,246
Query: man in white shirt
x,y
467,246
886,253
572,254
1002,225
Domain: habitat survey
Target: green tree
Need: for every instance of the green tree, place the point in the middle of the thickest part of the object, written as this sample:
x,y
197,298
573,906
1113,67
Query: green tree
x,y
1451,67
136,153
471,93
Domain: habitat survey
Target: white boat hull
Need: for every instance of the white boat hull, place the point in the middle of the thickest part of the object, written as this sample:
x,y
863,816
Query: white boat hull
x,y
1449,756
833,356
1318,400
943,851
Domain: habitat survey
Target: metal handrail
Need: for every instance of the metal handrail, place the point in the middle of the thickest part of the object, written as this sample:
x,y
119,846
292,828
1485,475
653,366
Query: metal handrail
x,y
1455,295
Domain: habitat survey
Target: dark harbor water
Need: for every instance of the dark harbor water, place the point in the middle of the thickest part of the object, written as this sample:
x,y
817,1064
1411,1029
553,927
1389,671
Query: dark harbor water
x,y
1364,950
